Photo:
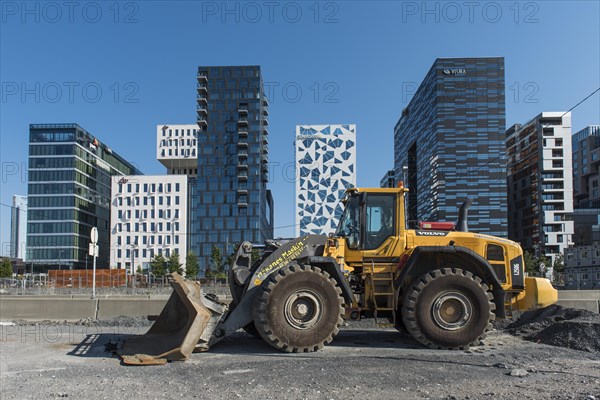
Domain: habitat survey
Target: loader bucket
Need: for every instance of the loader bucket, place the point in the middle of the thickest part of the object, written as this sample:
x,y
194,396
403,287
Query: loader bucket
x,y
187,322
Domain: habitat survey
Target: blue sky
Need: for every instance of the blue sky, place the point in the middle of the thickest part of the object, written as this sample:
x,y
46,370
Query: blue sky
x,y
123,68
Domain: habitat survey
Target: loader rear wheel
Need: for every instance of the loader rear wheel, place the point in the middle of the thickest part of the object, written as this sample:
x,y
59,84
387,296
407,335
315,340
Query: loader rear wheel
x,y
298,309
448,309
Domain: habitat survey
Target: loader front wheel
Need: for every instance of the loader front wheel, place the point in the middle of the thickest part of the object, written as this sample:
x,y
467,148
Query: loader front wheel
x,y
298,309
448,309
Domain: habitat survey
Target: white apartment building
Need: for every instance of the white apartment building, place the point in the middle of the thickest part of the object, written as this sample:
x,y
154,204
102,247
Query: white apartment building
x,y
148,217
326,167
176,147
540,184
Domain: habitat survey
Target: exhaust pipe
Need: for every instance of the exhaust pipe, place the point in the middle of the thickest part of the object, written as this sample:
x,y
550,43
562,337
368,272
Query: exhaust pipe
x,y
463,213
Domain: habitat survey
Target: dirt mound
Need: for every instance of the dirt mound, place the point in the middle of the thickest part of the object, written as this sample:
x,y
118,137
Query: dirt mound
x,y
559,326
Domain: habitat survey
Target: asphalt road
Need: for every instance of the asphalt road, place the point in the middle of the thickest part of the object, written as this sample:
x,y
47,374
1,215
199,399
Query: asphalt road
x,y
68,361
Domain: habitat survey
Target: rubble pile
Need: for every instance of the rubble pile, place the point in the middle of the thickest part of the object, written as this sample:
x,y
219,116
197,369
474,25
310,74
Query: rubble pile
x,y
559,326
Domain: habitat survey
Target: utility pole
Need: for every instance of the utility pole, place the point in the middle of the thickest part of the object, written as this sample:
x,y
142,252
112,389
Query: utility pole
x,y
94,252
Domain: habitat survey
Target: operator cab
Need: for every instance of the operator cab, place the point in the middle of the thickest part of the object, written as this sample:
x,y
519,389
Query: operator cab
x,y
367,220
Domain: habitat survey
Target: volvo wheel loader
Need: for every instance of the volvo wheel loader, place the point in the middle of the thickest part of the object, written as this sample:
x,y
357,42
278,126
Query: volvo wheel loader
x,y
437,281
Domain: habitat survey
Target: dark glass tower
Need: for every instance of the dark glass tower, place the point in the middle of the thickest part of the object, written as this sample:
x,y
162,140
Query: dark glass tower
x,y
68,194
451,137
230,202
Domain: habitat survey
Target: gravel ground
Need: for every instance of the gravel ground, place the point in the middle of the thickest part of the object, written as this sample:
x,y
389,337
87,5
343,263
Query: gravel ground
x,y
60,360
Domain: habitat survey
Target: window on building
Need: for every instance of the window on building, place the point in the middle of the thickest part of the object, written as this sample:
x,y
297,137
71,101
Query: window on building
x,y
584,255
176,200
177,187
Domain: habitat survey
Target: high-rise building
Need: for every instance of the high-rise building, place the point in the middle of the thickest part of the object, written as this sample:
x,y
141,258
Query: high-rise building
x,y
18,228
230,202
326,167
540,184
388,180
148,217
176,147
451,139
69,192
586,160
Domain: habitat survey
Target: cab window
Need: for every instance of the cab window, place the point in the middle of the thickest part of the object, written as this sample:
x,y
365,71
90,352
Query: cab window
x,y
380,219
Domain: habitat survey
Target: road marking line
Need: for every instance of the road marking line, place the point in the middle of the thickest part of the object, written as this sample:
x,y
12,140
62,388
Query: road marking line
x,y
237,371
34,370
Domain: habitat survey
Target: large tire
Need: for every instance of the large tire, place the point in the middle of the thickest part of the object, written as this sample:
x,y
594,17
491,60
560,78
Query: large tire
x,y
298,309
448,309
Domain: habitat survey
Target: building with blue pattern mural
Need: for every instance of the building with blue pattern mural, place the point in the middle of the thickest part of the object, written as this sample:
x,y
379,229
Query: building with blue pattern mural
x,y
326,167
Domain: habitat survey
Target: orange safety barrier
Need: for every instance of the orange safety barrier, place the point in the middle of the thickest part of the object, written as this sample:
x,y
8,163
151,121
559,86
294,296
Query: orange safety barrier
x,y
81,278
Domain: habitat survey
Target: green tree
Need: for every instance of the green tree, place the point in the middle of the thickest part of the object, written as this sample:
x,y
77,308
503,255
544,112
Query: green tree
x,y
158,266
138,270
529,261
174,264
559,263
217,262
191,265
6,268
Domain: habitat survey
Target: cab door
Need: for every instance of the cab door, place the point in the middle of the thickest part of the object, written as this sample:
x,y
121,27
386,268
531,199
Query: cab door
x,y
380,228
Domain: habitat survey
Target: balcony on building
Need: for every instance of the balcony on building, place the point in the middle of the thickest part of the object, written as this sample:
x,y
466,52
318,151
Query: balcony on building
x,y
265,131
265,121
243,133
265,112
242,166
243,111
243,145
202,77
243,176
202,89
202,100
265,141
243,122
202,122
265,101
203,111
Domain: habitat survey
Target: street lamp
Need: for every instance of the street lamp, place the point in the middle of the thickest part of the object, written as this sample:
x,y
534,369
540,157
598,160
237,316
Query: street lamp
x,y
60,252
134,282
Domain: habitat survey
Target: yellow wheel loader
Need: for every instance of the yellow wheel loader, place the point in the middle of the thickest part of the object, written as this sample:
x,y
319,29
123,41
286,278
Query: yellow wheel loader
x,y
439,282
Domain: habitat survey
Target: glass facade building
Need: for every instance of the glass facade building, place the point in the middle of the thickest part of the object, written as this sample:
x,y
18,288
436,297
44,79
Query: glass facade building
x,y
18,228
586,167
451,138
69,192
229,201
